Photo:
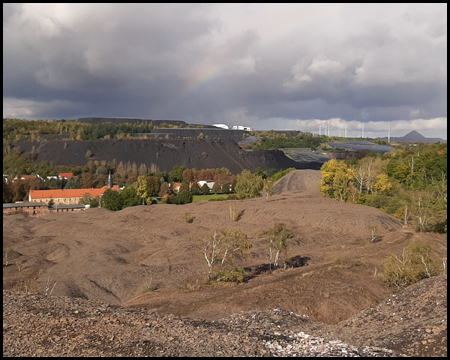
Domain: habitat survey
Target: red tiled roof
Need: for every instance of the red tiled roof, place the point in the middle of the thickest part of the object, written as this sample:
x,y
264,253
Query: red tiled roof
x,y
66,175
67,193
114,187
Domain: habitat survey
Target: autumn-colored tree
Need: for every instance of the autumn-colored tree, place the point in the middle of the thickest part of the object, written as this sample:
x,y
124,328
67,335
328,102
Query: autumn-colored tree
x,y
141,187
382,184
132,173
206,174
165,189
121,170
142,171
336,180
190,175
268,187
224,180
88,180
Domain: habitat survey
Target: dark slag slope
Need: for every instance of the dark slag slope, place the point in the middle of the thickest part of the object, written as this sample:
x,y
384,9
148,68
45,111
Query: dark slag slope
x,y
195,153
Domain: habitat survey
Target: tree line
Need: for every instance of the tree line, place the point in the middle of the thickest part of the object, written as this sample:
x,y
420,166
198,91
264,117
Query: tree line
x,y
16,130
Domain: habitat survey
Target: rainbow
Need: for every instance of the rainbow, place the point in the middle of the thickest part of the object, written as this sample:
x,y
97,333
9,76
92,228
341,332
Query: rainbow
x,y
204,75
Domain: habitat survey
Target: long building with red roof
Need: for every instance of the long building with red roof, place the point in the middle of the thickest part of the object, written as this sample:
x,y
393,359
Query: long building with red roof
x,y
65,196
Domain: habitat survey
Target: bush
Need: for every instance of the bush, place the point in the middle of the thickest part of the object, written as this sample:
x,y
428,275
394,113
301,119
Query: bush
x,y
415,264
183,197
236,274
379,201
232,197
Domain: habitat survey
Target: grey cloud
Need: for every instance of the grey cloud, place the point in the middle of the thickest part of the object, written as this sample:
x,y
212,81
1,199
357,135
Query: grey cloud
x,y
144,59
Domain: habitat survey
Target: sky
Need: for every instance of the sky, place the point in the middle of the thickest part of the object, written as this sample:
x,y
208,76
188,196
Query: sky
x,y
355,69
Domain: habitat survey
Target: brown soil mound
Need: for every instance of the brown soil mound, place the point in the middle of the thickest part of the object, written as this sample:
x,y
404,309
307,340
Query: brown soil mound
x,y
306,182
121,257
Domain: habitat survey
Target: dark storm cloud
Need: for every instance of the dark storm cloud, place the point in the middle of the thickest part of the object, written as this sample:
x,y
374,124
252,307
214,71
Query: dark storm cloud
x,y
230,63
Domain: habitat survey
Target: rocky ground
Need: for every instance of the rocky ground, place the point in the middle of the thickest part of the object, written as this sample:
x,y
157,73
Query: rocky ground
x,y
411,323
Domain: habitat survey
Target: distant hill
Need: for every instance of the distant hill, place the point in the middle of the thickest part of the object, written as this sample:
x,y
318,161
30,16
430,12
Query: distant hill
x,y
413,137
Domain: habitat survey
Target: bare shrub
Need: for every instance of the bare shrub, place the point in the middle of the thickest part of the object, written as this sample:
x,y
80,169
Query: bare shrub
x,y
148,286
277,239
235,215
188,217
221,247
415,264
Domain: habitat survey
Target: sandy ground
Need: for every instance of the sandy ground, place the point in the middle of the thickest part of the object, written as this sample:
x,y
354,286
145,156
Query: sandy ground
x,y
116,257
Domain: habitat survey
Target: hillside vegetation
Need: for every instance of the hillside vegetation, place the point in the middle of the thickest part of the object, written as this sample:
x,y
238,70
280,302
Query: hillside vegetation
x,y
410,183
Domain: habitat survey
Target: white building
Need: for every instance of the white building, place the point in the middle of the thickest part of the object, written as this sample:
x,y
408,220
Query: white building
x,y
223,126
239,127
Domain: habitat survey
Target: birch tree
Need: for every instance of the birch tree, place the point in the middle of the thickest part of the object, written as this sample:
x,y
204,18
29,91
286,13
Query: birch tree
x,y
221,247
277,240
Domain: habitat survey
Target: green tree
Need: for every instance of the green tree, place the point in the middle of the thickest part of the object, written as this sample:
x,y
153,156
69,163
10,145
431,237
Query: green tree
x,y
7,193
205,189
195,189
112,200
248,185
184,187
176,175
216,188
130,197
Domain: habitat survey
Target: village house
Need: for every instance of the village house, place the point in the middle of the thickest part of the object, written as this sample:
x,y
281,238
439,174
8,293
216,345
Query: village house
x,y
65,176
209,183
176,187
